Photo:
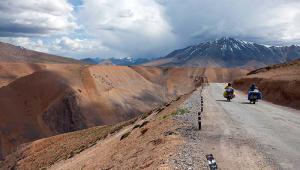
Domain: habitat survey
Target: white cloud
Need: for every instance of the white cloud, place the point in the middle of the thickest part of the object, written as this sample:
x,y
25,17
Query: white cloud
x,y
30,17
155,27
64,46
144,28
81,48
268,20
134,28
37,45
66,43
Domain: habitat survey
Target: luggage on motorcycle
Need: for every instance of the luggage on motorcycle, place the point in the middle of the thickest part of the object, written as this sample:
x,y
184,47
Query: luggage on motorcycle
x,y
254,95
228,92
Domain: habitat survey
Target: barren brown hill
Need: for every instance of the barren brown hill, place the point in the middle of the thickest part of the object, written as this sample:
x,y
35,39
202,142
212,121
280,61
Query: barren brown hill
x,y
212,74
140,143
11,53
221,75
43,95
10,71
41,100
58,98
279,83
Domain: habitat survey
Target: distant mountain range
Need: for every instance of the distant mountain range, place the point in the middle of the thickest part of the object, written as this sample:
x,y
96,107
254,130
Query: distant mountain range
x,y
127,61
224,52
228,52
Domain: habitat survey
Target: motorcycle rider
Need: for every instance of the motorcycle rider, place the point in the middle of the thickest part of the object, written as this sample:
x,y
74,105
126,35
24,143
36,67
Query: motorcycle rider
x,y
253,90
229,91
229,86
253,87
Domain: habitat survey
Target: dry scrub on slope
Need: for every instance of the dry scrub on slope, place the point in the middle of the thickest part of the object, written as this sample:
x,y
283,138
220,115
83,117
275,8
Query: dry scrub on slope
x,y
148,145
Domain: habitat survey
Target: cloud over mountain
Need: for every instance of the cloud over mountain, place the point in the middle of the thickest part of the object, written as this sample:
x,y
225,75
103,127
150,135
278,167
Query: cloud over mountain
x,y
136,27
143,28
266,21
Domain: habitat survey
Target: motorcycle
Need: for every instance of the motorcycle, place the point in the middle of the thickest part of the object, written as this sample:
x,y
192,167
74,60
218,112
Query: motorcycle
x,y
229,94
254,96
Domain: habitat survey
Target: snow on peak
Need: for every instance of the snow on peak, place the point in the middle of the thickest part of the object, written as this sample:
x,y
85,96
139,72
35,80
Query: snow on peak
x,y
236,46
125,58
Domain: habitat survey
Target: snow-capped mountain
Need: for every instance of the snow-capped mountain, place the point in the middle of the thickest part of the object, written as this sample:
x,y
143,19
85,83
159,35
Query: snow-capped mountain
x,y
126,61
229,52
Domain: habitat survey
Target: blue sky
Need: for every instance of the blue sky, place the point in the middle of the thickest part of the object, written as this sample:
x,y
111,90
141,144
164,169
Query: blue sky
x,y
143,28
76,2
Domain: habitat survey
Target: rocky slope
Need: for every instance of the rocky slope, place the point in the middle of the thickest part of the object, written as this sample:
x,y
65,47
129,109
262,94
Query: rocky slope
x,y
10,71
58,98
66,97
145,142
228,52
11,53
279,83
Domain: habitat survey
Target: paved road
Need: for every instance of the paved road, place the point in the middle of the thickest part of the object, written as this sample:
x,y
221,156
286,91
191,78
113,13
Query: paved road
x,y
275,129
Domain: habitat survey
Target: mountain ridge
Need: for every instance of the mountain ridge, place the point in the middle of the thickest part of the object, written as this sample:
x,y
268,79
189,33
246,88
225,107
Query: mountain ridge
x,y
12,53
228,52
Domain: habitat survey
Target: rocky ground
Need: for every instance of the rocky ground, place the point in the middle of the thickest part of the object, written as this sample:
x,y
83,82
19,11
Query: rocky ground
x,y
190,155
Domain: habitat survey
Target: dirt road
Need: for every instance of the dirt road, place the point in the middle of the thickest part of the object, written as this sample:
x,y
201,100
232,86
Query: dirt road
x,y
239,134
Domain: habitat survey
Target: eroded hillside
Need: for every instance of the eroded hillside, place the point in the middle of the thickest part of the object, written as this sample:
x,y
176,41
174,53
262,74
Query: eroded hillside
x,y
144,142
280,83
11,53
40,100
58,98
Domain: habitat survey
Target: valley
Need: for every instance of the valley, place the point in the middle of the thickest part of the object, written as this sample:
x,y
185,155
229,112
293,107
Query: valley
x,y
238,134
149,85
39,100
59,113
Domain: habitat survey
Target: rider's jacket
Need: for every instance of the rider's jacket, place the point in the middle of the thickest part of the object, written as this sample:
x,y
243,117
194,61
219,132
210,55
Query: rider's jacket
x,y
252,88
228,87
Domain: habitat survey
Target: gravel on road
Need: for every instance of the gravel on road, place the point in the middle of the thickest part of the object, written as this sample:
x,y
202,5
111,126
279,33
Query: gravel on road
x,y
222,135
